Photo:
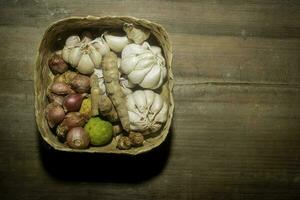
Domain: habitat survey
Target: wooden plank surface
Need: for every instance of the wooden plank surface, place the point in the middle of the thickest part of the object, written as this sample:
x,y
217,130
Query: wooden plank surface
x,y
236,127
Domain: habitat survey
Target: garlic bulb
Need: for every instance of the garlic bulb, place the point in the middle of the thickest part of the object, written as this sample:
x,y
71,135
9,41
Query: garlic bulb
x,y
144,66
138,35
116,43
84,55
147,111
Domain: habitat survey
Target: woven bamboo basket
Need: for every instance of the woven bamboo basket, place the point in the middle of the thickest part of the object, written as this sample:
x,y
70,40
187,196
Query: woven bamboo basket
x,y
53,40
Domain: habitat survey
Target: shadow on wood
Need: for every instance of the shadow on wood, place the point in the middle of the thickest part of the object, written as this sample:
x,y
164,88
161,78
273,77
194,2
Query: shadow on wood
x,y
68,166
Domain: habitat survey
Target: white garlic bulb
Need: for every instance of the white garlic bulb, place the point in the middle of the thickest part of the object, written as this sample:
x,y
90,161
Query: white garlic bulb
x,y
84,55
147,111
144,66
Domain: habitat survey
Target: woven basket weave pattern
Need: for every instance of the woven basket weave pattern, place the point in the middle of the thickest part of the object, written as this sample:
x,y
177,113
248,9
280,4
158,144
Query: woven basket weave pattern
x,y
54,38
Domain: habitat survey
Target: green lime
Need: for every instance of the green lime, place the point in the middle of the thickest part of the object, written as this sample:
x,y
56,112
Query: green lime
x,y
100,131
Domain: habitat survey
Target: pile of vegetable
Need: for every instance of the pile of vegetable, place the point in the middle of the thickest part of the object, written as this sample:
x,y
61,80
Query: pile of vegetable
x,y
105,88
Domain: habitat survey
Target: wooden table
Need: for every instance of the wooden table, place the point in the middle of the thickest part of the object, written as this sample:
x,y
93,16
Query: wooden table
x,y
236,128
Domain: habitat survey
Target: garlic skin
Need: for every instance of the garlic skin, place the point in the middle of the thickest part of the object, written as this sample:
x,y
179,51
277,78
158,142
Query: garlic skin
x,y
126,85
101,46
85,55
116,43
138,35
147,111
144,66
99,74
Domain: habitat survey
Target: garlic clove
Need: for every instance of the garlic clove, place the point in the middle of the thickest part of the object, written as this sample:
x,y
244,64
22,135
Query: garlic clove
x,y
130,103
156,50
136,76
72,40
126,82
135,128
100,44
162,78
124,86
128,64
132,49
95,56
155,127
66,53
75,56
85,65
133,117
157,104
149,96
116,43
144,63
140,100
152,78
126,90
162,115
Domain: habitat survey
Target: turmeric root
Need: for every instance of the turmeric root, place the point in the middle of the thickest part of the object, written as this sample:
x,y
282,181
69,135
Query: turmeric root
x,y
113,88
107,109
101,102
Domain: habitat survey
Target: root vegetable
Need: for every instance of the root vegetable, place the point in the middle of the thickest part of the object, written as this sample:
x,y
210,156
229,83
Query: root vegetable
x,y
57,64
80,83
77,138
124,143
101,102
137,139
54,114
72,119
113,88
72,102
54,98
61,88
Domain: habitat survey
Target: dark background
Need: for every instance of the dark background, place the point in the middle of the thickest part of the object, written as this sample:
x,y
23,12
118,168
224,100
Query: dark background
x,y
236,127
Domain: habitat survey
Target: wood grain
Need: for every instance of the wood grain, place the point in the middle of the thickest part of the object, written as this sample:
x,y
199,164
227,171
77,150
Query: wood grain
x,y
235,132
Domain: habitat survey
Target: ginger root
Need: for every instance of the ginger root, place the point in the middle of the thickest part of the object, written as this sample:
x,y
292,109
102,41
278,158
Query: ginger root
x,y
101,102
113,88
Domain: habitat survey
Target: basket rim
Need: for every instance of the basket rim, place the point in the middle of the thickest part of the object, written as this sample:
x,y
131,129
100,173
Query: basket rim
x,y
170,87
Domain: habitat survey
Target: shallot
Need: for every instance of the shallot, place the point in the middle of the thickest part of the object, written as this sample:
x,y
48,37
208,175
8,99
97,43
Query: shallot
x,y
57,64
72,102
77,138
72,119
54,114
80,83
61,88
54,98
